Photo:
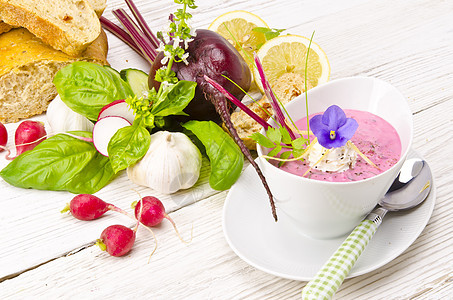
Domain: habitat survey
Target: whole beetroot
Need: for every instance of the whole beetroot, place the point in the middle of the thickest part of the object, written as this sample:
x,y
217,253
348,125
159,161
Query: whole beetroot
x,y
212,55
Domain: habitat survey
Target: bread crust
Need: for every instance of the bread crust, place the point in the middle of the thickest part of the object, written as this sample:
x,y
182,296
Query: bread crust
x,y
26,86
47,31
5,27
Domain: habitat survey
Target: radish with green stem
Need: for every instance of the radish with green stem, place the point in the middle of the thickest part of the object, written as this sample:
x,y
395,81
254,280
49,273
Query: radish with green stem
x,y
117,240
151,212
88,207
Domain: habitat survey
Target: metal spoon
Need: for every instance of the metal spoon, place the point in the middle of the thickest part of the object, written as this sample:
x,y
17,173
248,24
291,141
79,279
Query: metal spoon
x,y
410,188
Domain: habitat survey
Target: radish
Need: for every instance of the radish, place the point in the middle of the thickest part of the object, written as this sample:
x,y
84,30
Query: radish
x,y
150,211
28,135
117,240
88,207
104,129
118,108
3,137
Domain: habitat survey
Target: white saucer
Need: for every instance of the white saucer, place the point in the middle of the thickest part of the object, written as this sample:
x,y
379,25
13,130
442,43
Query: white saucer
x,y
277,249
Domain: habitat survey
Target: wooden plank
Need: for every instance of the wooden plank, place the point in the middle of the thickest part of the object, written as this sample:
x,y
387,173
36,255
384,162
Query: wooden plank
x,y
407,43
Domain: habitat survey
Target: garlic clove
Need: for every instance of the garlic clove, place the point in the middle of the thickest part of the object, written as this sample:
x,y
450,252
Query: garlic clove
x,y
61,118
172,163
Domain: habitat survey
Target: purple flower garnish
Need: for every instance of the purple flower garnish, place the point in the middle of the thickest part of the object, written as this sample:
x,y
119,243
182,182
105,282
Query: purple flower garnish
x,y
332,128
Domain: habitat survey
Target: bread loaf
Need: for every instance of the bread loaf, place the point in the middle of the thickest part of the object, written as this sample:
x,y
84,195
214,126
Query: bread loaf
x,y
27,68
67,25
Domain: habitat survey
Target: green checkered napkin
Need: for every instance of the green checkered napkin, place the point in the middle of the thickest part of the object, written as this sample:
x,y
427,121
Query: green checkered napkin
x,y
329,278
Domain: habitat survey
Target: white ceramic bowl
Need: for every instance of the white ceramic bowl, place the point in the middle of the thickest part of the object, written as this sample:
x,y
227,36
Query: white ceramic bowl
x,y
329,209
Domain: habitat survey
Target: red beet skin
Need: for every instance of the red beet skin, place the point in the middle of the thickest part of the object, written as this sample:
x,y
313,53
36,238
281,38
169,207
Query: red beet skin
x,y
153,211
27,132
87,207
118,239
3,136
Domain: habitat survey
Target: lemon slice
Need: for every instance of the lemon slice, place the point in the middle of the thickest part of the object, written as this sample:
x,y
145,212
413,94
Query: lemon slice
x,y
287,54
237,28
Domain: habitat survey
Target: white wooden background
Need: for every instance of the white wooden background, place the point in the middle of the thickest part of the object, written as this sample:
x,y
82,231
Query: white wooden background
x,y
407,43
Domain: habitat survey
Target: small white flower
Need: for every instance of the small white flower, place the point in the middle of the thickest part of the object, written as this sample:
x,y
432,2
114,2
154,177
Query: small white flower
x,y
161,47
184,58
186,43
165,33
176,41
167,56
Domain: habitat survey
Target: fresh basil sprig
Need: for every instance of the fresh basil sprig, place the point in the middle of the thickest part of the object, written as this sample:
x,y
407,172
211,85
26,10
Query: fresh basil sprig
x,y
60,163
224,154
127,146
87,87
130,144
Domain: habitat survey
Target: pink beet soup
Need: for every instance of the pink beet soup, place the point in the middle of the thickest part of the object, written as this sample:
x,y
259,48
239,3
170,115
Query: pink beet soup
x,y
375,138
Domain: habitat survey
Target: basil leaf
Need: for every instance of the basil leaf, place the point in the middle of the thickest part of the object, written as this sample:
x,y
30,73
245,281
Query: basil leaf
x,y
127,146
60,163
87,87
224,154
175,100
262,140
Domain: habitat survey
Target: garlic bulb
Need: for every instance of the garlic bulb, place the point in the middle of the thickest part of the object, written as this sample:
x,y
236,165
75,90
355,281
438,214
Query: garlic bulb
x,y
61,118
172,163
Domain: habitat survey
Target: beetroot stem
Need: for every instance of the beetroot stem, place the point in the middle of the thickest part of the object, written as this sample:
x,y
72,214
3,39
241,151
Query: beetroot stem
x,y
121,34
222,110
270,95
139,37
142,23
238,103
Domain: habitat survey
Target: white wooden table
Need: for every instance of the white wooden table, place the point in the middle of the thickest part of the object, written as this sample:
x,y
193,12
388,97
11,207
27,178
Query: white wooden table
x,y
407,43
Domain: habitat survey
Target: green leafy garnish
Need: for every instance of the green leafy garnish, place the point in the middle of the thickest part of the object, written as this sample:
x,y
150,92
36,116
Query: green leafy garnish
x,y
269,33
60,163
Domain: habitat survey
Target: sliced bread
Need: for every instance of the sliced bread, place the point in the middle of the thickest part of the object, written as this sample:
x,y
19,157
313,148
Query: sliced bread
x,y
67,25
98,6
27,68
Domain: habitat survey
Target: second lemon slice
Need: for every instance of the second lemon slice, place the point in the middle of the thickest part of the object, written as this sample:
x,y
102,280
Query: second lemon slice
x,y
287,54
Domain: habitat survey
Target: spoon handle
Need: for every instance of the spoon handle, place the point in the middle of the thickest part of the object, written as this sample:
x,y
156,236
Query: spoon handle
x,y
327,281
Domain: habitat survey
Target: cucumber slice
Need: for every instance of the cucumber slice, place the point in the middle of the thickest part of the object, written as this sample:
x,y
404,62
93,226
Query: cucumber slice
x,y
137,79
